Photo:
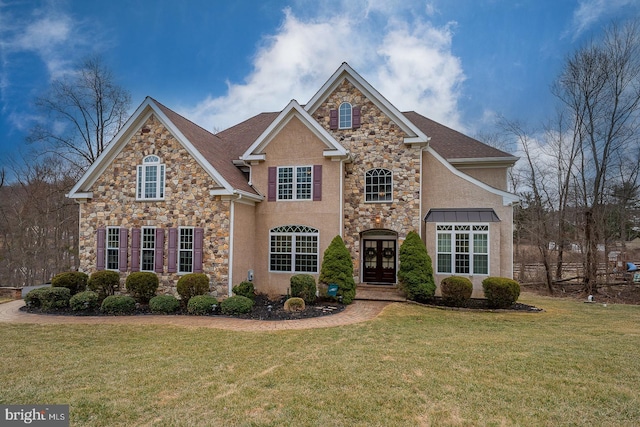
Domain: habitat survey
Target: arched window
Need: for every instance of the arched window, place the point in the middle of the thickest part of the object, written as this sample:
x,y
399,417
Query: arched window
x,y
150,179
378,185
293,249
345,116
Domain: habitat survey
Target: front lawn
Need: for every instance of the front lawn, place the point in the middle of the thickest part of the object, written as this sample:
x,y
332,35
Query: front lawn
x,y
574,364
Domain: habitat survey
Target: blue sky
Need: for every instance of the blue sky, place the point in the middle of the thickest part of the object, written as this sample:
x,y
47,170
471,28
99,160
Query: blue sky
x,y
460,62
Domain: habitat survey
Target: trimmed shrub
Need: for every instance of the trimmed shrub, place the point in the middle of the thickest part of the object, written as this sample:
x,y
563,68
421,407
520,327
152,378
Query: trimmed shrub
x,y
56,298
85,301
104,283
294,304
456,290
75,281
501,292
34,298
192,284
245,289
415,273
118,305
201,305
164,304
236,304
337,268
142,285
303,286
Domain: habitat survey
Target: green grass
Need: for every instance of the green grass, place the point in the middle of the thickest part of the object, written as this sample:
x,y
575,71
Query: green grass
x,y
575,364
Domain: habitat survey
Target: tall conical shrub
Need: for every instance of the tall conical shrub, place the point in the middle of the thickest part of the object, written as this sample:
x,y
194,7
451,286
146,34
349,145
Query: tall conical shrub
x,y
416,272
337,268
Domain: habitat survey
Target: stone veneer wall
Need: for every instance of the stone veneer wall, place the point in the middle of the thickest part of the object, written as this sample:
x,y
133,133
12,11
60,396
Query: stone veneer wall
x,y
378,143
187,203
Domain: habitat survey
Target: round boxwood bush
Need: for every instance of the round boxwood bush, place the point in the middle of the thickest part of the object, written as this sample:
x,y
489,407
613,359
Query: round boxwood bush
x,y
501,292
104,283
164,304
201,305
456,290
294,304
75,281
303,286
118,305
142,285
236,304
245,289
85,301
192,284
34,298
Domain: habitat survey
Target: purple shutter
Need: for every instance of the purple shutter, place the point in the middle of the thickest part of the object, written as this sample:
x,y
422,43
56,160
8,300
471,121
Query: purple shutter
x,y
273,183
100,248
198,245
122,250
159,251
355,117
317,183
333,119
135,249
172,254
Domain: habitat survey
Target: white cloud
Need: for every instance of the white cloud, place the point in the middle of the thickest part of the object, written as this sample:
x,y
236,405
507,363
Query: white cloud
x,y
410,64
590,12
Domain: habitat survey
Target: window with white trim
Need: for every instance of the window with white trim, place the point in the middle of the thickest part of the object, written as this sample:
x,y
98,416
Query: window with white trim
x,y
148,249
462,248
345,115
293,249
185,250
113,248
151,179
378,185
295,182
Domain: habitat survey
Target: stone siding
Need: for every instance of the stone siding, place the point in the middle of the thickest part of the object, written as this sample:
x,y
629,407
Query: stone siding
x,y
187,203
378,143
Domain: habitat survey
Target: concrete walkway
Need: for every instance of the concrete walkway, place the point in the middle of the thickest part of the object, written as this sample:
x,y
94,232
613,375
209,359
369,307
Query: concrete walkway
x,y
358,311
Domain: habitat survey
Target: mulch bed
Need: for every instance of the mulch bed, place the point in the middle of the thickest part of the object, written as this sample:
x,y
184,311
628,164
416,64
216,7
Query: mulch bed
x,y
263,309
481,304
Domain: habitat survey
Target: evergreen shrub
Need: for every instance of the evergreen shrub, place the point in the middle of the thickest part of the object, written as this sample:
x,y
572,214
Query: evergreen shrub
x,y
501,292
164,304
118,305
201,305
48,298
456,290
415,273
104,283
236,304
294,304
85,301
142,285
245,289
192,284
303,286
75,281
337,268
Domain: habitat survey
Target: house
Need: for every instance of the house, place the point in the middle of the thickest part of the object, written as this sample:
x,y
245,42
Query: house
x,y
263,199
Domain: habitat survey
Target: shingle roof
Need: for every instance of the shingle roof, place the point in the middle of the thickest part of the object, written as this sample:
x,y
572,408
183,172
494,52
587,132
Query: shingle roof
x,y
452,144
221,149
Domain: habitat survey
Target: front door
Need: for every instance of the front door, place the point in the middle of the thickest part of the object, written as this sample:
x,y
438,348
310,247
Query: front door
x,y
379,261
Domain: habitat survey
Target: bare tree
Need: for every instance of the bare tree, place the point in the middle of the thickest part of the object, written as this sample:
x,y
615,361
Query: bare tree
x,y
84,110
600,89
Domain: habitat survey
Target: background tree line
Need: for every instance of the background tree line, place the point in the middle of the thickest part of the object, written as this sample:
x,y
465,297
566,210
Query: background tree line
x,y
79,115
578,176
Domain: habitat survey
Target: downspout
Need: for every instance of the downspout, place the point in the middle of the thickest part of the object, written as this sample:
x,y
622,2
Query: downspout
x,y
341,220
232,227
